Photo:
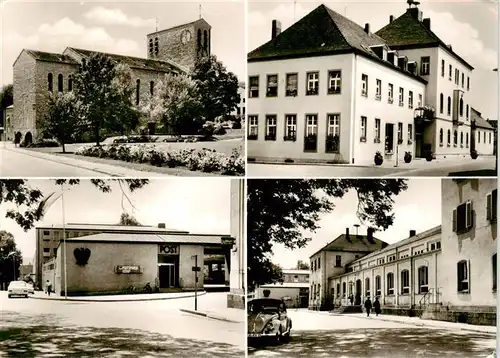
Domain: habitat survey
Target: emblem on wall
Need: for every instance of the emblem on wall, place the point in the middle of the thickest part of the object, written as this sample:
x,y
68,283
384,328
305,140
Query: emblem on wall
x,y
82,256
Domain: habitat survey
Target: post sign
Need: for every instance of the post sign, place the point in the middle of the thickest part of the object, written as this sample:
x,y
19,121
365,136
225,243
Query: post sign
x,y
128,269
169,249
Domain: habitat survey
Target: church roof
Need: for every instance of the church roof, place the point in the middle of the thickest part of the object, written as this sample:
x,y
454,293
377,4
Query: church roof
x,y
408,32
136,62
202,21
51,57
354,243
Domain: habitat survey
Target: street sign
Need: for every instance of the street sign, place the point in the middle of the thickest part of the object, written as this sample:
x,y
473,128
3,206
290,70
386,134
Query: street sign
x,y
198,269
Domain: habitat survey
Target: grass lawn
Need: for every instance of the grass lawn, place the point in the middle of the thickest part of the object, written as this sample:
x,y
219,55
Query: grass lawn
x,y
475,173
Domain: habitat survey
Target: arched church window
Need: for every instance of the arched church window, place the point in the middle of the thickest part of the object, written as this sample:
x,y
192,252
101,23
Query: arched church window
x,y
137,90
60,83
205,40
70,83
199,39
151,87
49,80
151,46
156,45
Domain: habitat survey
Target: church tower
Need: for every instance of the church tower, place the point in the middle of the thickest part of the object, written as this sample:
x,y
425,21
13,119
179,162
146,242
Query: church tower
x,y
182,44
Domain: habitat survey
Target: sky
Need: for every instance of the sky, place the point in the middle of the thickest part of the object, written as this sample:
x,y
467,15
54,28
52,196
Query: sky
x,y
418,208
471,27
199,206
115,27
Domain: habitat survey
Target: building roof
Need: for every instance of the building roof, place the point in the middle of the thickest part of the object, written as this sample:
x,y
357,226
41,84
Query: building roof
x,y
295,272
480,121
408,32
136,62
353,243
286,285
435,230
51,57
150,239
183,25
323,32
106,227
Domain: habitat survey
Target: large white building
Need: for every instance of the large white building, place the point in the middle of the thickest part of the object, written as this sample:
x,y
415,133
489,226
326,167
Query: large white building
x,y
329,90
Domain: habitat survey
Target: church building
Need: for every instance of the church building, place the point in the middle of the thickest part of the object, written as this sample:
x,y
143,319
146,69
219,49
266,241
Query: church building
x,y
36,73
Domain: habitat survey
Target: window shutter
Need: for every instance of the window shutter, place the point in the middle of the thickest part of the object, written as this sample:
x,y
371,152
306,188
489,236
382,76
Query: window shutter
x,y
488,207
494,205
454,220
468,214
459,276
468,276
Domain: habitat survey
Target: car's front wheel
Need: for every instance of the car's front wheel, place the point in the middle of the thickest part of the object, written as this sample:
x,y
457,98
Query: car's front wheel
x,y
10,296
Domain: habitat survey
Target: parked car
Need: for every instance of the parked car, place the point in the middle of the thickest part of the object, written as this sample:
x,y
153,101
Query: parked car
x,y
267,318
18,288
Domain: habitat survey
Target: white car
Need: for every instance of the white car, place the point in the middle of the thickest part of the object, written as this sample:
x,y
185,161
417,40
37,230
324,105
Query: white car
x,y
18,288
31,289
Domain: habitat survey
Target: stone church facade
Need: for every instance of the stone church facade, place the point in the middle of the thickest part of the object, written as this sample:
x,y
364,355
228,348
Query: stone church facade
x,y
36,73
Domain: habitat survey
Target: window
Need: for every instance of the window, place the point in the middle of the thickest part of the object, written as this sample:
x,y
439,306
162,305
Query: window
x,y
338,261
312,83
410,99
494,271
390,283
410,133
362,136
463,80
344,288
425,66
151,46
463,276
137,91
468,83
378,286
310,140
467,111
378,94
442,68
405,282
491,206
338,289
449,138
151,87
462,217
70,83
253,127
367,287
455,138
423,279
441,137
391,93
46,232
290,127
401,96
205,40
364,85
400,133
333,133
334,82
59,83
461,139
377,131
389,138
441,104
461,107
479,136
489,137
449,72
457,76
319,263
420,100
292,80
50,83
272,86
156,46
270,127
253,89
466,140
449,105
438,245
46,250
484,137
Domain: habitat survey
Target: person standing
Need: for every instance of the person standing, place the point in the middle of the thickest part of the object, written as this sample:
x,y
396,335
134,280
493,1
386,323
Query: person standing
x,y
376,306
48,286
368,306
351,299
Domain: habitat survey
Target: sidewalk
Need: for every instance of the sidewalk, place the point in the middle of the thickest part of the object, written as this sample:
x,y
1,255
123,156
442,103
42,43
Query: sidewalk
x,y
232,315
39,295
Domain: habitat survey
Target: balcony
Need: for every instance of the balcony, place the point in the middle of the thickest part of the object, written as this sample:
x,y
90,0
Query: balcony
x,y
424,114
458,122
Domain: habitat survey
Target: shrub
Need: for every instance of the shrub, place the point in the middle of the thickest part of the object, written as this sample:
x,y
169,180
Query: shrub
x,y
429,156
44,143
219,129
474,154
378,158
407,157
208,129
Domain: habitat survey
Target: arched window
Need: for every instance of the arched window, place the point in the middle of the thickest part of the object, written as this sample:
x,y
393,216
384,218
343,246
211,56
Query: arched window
x,y
449,105
151,87
344,289
455,138
441,103
441,135
479,136
463,270
467,111
70,83
390,283
367,287
461,107
466,140
351,286
205,40
494,268
60,83
338,289
378,286
449,137
151,46
461,139
157,49
199,39
405,282
423,279
50,83
137,91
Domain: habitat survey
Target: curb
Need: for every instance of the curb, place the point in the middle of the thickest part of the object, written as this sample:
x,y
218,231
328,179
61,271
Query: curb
x,y
115,300
208,315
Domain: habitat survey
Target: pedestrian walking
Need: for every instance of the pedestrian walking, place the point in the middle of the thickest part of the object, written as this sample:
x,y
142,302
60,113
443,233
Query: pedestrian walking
x,y
376,306
368,306
48,287
351,298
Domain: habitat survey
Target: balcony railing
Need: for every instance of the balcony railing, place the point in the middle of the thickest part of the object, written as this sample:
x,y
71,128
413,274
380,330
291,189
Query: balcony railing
x,y
424,114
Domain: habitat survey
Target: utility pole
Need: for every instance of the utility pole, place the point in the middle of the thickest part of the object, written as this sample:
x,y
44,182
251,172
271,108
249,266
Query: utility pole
x,y
195,269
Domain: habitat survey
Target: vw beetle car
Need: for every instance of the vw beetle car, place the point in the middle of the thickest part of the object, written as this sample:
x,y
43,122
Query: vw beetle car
x,y
17,288
267,318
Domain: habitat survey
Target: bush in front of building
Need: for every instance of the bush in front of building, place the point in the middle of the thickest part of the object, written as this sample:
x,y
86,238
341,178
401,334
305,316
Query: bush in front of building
x,y
407,157
378,159
429,156
474,154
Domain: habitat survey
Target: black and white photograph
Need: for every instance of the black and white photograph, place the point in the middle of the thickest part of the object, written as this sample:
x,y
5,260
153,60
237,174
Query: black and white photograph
x,y
372,89
372,268
127,89
122,268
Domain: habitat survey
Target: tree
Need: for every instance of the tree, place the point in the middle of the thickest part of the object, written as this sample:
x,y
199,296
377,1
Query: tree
x,y
176,103
301,265
218,88
10,258
278,210
104,90
6,100
61,121
128,220
31,202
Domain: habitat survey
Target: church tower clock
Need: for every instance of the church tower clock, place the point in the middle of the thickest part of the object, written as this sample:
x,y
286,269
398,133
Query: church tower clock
x,y
182,44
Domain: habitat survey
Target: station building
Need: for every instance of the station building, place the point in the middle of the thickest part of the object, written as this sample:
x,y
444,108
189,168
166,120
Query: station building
x,y
293,289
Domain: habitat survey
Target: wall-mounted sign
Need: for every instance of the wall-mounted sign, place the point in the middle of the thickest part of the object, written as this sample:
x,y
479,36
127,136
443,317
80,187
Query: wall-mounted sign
x,y
169,249
128,269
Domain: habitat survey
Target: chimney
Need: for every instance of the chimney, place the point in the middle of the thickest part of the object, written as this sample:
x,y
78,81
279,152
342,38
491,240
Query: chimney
x,y
415,13
413,233
391,18
276,29
369,235
367,28
161,226
427,23
347,234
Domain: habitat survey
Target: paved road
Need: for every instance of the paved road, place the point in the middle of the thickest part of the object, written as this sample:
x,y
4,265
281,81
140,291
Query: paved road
x,y
30,328
317,335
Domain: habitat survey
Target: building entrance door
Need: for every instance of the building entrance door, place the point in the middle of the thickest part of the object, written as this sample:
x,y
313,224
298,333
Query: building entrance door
x,y
389,138
166,273
357,300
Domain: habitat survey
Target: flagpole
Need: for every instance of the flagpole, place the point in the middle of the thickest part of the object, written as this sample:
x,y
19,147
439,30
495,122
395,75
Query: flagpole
x,y
64,244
